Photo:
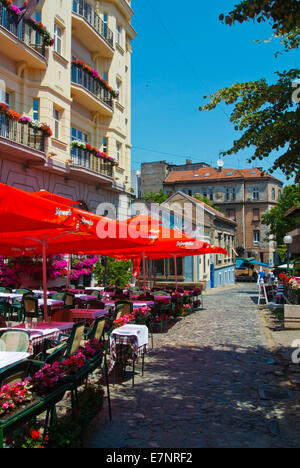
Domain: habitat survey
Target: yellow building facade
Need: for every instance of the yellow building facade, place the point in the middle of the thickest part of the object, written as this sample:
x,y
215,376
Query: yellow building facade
x,y
75,77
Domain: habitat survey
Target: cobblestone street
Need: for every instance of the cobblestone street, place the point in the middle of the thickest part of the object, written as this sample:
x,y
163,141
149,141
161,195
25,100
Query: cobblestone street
x,y
210,381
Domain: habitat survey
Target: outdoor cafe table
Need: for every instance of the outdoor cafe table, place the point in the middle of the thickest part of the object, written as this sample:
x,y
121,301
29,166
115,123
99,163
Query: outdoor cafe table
x,y
41,330
136,304
9,358
129,341
87,315
51,303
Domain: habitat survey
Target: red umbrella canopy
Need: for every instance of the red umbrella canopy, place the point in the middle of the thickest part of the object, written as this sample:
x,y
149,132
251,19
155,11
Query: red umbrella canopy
x,y
56,198
21,211
88,233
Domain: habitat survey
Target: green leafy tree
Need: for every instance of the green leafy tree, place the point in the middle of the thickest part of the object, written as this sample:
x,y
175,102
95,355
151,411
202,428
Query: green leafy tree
x,y
119,273
267,114
207,201
275,218
156,197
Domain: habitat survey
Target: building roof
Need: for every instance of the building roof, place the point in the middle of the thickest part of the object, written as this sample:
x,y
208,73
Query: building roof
x,y
216,213
213,174
293,212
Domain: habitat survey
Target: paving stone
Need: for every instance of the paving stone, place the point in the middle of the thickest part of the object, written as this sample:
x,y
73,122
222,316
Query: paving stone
x,y
202,385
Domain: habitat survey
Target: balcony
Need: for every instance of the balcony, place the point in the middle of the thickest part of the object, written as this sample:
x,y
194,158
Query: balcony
x,y
86,163
22,42
91,30
91,94
21,134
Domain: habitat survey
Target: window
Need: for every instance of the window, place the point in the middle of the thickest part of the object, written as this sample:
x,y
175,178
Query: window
x,y
230,213
118,152
159,267
118,33
256,214
56,122
5,97
57,39
261,257
273,193
118,86
279,193
38,18
255,193
36,109
79,135
179,262
227,195
233,194
105,145
256,236
105,24
211,195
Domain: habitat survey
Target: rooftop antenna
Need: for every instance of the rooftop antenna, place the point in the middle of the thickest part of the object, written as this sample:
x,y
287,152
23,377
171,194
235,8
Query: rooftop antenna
x,y
220,164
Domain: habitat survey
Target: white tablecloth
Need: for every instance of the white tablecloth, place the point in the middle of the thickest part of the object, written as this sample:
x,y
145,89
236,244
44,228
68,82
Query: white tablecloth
x,y
11,296
7,359
139,331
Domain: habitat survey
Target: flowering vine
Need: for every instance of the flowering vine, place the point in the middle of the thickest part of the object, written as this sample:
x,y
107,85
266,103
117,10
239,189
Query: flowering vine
x,y
83,266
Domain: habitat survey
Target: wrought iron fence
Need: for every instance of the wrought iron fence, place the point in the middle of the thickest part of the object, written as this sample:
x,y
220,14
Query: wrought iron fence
x,y
85,159
22,31
22,134
82,8
84,79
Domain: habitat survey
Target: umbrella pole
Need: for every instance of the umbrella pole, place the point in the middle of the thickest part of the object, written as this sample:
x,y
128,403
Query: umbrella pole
x,y
176,276
69,270
45,280
144,272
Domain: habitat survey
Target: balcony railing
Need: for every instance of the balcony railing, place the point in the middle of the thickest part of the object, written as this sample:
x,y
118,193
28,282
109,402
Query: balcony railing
x,y
88,13
22,31
22,134
84,159
84,79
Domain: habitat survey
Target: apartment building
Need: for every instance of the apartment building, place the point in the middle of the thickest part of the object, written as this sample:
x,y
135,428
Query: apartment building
x,y
242,195
65,99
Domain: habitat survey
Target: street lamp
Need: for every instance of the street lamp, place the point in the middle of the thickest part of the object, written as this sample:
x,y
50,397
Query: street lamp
x,y
288,240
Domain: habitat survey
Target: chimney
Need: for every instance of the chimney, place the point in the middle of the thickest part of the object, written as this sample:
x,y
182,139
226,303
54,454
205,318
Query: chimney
x,y
188,161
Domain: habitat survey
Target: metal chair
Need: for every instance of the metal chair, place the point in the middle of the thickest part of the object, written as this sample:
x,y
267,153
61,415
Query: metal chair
x,y
2,322
14,373
4,307
97,294
16,340
31,308
69,300
96,331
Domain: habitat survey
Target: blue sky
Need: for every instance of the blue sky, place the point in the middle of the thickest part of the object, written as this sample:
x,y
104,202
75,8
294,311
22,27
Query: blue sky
x,y
177,59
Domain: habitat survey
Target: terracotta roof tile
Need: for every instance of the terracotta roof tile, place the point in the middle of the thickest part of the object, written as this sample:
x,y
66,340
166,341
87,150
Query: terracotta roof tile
x,y
211,173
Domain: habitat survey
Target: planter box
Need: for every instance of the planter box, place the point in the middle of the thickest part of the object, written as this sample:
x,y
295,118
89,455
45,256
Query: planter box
x,y
34,409
292,317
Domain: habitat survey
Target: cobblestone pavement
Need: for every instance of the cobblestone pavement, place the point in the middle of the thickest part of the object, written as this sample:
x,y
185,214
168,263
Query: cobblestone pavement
x,y
210,381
